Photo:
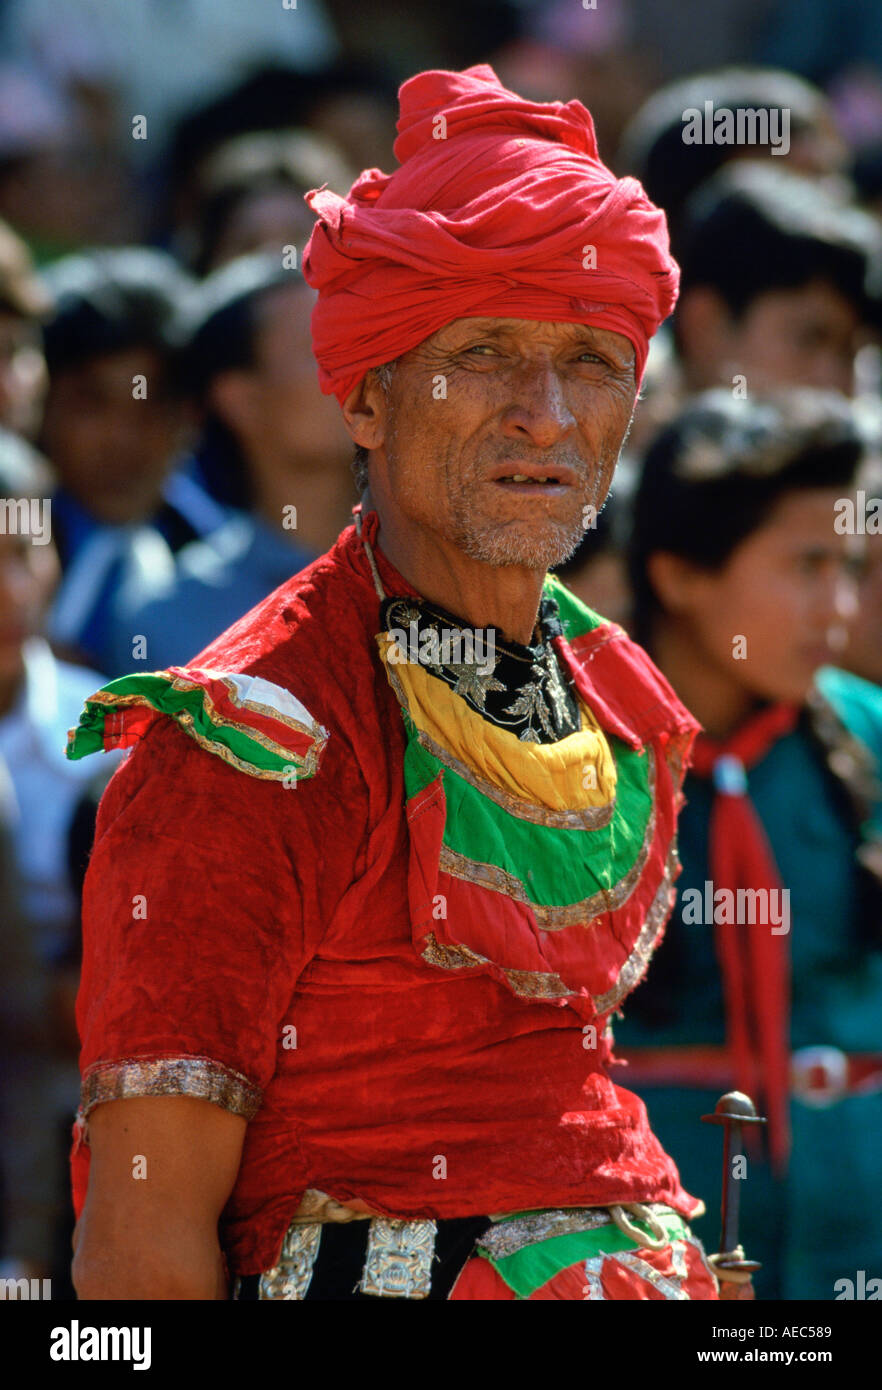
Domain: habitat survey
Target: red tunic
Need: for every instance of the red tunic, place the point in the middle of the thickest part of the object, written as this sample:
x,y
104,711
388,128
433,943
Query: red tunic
x,y
279,915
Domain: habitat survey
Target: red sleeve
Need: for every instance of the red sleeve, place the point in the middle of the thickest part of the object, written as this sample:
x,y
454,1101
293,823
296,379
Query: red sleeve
x,y
207,894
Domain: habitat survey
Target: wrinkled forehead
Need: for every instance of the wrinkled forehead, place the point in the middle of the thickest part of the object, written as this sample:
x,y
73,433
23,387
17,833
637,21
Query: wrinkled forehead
x,y
538,332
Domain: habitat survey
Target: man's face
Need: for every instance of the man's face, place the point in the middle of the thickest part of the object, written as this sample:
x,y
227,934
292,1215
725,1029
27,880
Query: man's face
x,y
804,337
113,448
500,434
22,374
789,589
288,407
28,575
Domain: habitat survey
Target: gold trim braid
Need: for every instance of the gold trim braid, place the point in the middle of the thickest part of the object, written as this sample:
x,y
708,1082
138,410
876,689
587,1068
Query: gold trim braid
x,y
509,1236
553,917
591,818
185,721
635,967
527,984
200,1077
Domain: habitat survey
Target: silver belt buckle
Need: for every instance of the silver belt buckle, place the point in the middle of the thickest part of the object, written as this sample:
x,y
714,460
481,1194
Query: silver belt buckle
x,y
291,1277
398,1262
832,1063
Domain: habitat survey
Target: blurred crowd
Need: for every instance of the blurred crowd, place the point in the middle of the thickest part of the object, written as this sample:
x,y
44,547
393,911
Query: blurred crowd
x,y
163,427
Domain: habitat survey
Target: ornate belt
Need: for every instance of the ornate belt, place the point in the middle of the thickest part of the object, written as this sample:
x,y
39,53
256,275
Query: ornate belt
x,y
397,1262
399,1254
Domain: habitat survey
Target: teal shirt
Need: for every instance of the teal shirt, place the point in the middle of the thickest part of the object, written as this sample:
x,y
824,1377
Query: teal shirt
x,y
825,1221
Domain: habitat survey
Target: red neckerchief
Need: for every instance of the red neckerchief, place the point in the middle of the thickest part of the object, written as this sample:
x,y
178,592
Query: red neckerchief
x,y
755,963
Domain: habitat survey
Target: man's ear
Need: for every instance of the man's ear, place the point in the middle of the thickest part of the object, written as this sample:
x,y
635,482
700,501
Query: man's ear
x,y
675,581
703,329
365,412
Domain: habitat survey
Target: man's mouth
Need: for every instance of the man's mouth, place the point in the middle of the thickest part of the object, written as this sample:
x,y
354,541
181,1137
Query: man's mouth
x,y
522,478
546,479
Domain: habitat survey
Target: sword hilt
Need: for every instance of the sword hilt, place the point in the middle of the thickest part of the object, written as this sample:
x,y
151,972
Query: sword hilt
x,y
733,1111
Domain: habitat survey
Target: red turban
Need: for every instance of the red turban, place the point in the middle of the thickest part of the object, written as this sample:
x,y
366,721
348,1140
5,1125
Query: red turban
x,y
500,208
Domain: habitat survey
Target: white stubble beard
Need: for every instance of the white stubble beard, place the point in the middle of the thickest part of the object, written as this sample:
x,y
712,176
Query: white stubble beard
x,y
545,544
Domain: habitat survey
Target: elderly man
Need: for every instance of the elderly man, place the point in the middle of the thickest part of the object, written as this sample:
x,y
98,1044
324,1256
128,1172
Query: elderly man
x,y
394,848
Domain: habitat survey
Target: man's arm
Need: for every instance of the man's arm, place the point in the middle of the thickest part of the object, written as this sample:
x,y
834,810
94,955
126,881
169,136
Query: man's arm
x,y
155,1236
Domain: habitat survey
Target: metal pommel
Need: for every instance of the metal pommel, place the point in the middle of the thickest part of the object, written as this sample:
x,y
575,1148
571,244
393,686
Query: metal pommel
x,y
734,1105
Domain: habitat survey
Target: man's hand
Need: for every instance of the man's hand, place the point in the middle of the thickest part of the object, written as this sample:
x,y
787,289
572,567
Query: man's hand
x,y
738,1292
162,1168
735,1284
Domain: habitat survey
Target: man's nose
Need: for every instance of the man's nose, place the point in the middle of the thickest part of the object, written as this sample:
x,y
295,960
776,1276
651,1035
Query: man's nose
x,y
540,413
847,598
839,600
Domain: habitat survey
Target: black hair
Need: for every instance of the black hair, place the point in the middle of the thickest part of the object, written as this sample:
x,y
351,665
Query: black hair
x,y
218,324
270,97
670,170
711,477
754,228
109,301
217,332
866,172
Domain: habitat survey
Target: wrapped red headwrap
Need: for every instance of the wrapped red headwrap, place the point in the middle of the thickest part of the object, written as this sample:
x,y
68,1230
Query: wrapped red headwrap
x,y
502,208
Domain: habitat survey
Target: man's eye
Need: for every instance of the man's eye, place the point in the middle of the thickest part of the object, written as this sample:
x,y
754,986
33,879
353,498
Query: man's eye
x,y
481,347
810,562
604,359
856,566
813,337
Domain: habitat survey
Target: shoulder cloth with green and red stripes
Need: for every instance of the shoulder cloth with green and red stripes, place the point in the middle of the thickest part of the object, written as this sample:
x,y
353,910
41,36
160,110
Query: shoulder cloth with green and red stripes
x,y
254,725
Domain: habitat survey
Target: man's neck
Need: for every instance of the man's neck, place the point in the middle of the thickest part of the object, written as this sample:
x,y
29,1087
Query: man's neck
x,y
502,597
717,699
320,495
